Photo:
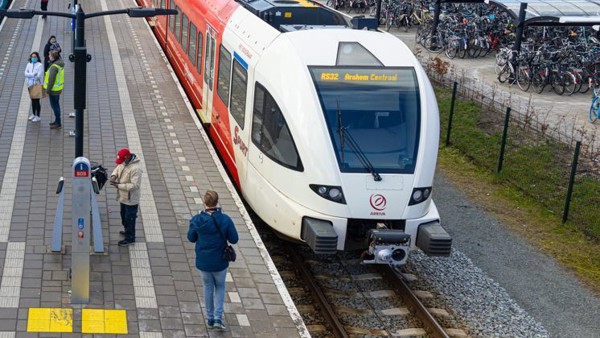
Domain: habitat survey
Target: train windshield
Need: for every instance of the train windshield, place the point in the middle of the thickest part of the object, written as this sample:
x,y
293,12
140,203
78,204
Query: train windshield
x,y
373,117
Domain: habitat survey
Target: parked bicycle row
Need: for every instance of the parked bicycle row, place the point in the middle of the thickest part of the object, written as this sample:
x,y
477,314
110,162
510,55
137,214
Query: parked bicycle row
x,y
566,64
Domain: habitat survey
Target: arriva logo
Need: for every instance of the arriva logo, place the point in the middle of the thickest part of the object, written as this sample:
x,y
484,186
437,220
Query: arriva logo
x,y
378,202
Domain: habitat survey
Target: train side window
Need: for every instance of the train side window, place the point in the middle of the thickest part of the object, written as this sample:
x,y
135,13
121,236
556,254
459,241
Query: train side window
x,y
209,61
192,51
184,34
178,25
172,19
224,75
239,86
270,132
199,67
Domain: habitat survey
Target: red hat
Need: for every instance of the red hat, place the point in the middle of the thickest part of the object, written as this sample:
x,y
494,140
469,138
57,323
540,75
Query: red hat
x,y
122,155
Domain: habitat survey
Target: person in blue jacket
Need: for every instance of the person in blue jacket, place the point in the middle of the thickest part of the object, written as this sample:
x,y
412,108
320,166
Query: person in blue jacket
x,y
210,243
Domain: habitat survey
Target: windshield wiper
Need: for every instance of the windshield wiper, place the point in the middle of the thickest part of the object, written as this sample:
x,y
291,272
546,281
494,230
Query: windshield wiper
x,y
340,130
343,132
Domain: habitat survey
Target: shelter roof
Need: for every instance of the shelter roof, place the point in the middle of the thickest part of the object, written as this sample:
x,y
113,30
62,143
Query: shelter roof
x,y
542,12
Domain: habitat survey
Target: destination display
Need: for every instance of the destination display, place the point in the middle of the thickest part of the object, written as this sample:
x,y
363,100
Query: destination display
x,y
356,75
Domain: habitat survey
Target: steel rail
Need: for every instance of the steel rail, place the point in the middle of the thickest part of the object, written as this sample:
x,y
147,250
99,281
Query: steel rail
x,y
414,303
318,295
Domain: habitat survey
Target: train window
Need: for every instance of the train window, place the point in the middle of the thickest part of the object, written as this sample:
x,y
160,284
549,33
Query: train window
x,y
209,61
192,51
184,34
172,19
161,4
224,75
199,67
270,132
239,86
178,25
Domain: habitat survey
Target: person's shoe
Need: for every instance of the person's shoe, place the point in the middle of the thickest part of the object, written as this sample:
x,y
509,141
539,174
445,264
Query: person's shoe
x,y
219,326
51,124
210,325
122,233
36,119
31,117
56,126
125,242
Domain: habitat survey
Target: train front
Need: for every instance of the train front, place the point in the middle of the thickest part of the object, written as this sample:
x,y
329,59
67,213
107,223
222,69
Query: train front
x,y
370,157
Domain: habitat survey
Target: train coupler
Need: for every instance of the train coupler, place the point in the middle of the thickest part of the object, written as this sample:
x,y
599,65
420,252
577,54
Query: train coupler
x,y
387,247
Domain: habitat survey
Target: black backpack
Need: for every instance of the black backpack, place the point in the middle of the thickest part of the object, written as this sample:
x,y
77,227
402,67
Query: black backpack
x,y
100,173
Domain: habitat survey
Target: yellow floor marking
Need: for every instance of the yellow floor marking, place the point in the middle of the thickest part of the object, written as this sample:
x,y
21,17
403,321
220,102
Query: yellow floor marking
x,y
104,321
50,320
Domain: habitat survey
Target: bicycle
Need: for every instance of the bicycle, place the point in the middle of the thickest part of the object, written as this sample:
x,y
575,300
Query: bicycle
x,y
595,107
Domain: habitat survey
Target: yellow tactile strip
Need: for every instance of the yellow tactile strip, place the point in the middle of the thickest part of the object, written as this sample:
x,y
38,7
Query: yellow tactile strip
x,y
92,321
104,321
50,320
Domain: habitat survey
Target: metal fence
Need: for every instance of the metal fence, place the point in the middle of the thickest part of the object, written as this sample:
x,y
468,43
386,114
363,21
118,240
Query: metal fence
x,y
549,171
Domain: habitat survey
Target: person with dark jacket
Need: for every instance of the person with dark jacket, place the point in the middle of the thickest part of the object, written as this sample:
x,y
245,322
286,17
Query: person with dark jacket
x,y
211,230
44,7
51,45
54,82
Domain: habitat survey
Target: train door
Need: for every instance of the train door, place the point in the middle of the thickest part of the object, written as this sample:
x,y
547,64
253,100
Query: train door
x,y
209,74
240,114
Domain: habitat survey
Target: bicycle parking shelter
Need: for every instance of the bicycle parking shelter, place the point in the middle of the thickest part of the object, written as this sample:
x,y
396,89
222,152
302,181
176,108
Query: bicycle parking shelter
x,y
537,13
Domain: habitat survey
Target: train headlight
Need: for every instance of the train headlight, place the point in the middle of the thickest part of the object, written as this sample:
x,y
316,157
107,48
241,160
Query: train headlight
x,y
419,195
335,194
332,193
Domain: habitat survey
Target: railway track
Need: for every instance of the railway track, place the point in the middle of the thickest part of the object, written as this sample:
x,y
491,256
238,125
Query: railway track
x,y
339,297
366,300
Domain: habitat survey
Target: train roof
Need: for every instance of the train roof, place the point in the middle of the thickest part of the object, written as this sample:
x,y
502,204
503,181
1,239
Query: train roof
x,y
286,15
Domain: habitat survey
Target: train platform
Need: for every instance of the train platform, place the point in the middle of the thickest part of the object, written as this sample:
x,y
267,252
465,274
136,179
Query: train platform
x,y
151,288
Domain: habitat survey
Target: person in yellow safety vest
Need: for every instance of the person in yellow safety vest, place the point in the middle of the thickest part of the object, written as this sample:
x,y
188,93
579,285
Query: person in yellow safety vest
x,y
54,81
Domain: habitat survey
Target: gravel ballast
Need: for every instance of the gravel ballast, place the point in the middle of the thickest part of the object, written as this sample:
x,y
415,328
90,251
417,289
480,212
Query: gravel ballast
x,y
502,285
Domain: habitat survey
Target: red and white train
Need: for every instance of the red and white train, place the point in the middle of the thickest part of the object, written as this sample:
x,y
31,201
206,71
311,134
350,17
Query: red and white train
x,y
330,133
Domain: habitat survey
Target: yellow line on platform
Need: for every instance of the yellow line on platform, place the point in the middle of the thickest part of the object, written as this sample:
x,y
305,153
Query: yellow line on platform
x,y
92,321
50,320
104,321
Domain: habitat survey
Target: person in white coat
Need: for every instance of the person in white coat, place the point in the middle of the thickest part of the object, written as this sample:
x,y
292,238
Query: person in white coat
x,y
34,75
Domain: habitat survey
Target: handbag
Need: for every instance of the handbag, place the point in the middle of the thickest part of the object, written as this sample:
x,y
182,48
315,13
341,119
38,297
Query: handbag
x,y
36,91
228,252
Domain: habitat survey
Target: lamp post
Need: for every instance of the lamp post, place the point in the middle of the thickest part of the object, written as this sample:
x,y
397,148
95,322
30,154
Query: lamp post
x,y
80,56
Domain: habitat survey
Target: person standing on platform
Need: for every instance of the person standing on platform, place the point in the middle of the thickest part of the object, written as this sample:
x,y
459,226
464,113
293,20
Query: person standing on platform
x,y
51,45
127,178
54,82
34,75
44,7
211,230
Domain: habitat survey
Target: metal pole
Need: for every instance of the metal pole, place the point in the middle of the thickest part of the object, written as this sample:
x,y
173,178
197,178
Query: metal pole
x,y
73,44
520,26
377,11
503,143
80,74
571,182
436,18
73,25
451,113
